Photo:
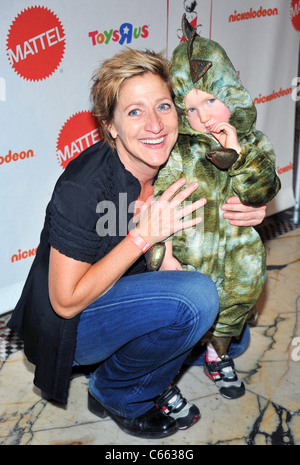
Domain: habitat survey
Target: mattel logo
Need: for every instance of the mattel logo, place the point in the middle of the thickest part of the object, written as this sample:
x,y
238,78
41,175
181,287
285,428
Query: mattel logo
x,y
124,34
78,133
35,43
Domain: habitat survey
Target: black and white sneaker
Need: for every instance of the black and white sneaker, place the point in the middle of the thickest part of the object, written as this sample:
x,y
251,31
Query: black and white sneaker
x,y
172,403
222,372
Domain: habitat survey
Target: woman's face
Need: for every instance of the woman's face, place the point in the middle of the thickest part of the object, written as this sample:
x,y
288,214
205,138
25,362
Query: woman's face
x,y
144,125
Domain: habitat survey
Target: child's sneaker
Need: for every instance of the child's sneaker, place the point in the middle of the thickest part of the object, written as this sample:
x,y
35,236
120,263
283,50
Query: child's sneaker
x,y
222,372
172,403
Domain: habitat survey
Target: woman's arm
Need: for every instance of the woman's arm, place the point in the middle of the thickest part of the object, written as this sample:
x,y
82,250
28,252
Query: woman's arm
x,y
73,285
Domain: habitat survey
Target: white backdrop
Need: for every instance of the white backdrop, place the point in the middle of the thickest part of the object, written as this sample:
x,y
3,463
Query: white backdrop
x,y
50,51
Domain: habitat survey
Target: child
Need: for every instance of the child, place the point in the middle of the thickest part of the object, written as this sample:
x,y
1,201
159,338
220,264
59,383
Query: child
x,y
219,147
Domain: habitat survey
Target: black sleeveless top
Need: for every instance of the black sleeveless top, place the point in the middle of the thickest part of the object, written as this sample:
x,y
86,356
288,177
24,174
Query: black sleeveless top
x,y
89,213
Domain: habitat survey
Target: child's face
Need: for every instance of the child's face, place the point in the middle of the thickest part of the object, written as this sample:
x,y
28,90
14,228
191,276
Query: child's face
x,y
203,110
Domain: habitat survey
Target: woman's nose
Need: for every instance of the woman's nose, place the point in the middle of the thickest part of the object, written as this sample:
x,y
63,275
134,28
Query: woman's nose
x,y
154,122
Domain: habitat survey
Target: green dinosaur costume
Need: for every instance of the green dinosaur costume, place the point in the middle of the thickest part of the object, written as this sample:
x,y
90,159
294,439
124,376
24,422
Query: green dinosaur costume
x,y
234,257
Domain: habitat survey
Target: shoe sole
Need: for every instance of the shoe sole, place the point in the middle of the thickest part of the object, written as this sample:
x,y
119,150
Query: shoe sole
x,y
189,420
233,397
191,423
96,408
222,394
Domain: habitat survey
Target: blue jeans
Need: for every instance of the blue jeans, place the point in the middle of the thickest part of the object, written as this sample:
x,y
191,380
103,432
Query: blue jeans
x,y
141,331
236,348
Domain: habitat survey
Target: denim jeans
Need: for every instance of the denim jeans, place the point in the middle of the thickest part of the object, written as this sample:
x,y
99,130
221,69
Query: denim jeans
x,y
236,348
141,331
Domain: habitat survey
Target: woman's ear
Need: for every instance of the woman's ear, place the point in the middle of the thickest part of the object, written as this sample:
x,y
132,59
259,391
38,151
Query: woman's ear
x,y
111,129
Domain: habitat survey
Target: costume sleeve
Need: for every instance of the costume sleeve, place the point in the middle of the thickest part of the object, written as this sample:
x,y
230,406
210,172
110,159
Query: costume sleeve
x,y
73,223
254,177
170,173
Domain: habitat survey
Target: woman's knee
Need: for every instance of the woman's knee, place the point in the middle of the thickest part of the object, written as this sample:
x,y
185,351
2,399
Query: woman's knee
x,y
202,291
198,300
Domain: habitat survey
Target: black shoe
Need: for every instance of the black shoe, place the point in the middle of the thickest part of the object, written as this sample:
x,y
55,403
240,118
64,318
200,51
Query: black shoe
x,y
222,372
152,424
172,403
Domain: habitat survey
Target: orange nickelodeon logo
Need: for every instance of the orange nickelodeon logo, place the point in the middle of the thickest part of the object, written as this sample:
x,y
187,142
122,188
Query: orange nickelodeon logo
x,y
23,255
78,133
273,96
252,14
285,169
35,43
16,156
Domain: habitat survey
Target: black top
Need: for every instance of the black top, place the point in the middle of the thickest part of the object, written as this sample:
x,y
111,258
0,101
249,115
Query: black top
x,y
89,214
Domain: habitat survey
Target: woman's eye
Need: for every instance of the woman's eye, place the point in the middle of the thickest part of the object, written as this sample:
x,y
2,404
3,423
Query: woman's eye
x,y
211,100
164,106
190,110
134,112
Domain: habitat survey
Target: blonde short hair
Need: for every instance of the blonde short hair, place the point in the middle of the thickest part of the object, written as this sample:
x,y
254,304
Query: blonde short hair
x,y
108,79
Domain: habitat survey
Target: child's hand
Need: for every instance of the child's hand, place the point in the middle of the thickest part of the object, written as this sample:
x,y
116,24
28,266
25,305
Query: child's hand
x,y
169,261
226,135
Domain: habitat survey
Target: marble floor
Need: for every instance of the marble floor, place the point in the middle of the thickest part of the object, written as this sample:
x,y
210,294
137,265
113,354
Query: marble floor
x,y
268,414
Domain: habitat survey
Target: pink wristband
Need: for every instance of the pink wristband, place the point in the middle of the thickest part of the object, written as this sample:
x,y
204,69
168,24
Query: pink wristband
x,y
139,241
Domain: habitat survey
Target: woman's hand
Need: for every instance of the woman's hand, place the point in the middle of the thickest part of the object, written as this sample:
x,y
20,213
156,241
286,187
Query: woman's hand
x,y
243,215
161,218
73,285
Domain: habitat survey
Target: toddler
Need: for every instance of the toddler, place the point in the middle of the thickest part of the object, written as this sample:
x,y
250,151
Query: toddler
x,y
219,146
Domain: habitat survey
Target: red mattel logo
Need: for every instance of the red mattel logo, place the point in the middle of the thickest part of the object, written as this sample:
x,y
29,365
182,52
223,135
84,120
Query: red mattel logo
x,y
295,14
78,133
35,43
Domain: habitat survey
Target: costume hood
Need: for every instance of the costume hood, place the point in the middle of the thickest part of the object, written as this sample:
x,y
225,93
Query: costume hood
x,y
203,64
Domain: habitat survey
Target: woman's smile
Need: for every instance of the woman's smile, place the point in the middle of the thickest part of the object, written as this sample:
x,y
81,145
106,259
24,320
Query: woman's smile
x,y
153,141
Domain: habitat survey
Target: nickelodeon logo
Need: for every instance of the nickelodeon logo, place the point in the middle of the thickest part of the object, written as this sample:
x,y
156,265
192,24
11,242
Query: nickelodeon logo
x,y
124,34
252,14
23,255
16,156
274,95
285,169
35,43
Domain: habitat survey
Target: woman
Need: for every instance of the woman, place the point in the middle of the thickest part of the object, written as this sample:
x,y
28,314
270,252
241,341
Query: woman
x,y
87,298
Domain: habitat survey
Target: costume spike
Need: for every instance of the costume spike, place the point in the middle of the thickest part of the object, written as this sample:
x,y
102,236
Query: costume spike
x,y
186,27
198,69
